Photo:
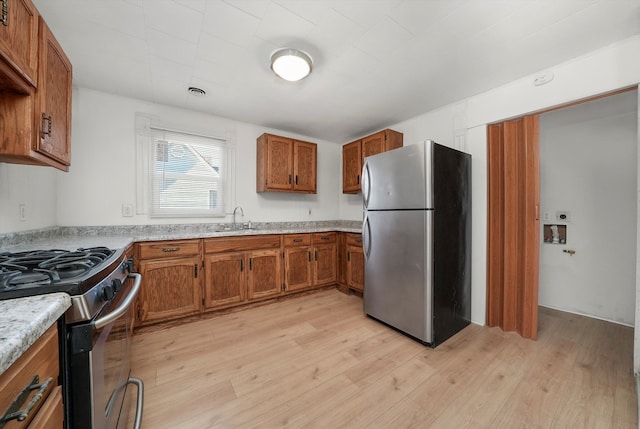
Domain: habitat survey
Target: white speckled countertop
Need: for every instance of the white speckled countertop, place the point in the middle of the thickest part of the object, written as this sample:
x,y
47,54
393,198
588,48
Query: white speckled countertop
x,y
115,237
24,320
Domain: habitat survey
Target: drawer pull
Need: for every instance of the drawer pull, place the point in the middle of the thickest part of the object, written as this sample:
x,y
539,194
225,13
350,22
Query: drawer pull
x,y
298,240
325,237
14,412
170,249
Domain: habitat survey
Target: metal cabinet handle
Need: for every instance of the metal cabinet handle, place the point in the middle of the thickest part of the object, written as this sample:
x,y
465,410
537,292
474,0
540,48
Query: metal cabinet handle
x,y
170,249
324,237
5,13
46,125
297,240
14,412
104,321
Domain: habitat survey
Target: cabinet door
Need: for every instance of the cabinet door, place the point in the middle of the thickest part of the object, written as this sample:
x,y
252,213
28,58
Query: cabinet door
x,y
170,288
264,278
325,264
19,45
355,268
373,144
225,279
279,163
53,116
297,262
304,166
351,167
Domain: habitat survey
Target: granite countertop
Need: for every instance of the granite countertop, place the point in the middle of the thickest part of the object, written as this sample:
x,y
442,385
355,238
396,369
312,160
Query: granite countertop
x,y
24,320
116,237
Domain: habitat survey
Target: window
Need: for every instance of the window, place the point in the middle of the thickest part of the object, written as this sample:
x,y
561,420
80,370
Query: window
x,y
186,174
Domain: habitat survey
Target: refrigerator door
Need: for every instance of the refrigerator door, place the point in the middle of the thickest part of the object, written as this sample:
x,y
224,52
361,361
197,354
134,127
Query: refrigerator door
x,y
398,179
398,270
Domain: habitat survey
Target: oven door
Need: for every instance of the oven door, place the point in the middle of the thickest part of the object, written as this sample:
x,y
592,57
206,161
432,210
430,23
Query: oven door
x,y
106,365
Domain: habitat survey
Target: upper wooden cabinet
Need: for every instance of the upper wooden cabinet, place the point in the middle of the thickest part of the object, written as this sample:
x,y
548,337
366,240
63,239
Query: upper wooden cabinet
x,y
37,126
353,155
18,45
285,165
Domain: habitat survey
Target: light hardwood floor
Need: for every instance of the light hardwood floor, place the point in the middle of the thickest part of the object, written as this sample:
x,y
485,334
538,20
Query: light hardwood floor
x,y
317,362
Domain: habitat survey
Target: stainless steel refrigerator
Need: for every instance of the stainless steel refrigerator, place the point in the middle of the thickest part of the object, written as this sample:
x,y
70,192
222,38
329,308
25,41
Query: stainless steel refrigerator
x,y
417,240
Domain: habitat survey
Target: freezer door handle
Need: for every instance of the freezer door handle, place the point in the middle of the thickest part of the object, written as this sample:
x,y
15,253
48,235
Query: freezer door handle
x,y
366,184
366,237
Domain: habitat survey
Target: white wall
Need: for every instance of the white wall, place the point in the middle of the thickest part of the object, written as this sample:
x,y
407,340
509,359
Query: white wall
x,y
103,171
31,186
588,163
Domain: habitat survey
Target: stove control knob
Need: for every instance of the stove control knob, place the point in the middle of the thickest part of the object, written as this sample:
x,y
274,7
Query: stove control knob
x,y
107,293
117,285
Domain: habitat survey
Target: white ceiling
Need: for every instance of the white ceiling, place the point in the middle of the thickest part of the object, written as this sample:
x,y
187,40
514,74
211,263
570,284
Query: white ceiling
x,y
376,62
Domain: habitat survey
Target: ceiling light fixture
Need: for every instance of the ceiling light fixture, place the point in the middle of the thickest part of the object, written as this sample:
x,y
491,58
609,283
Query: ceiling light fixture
x,y
291,64
196,91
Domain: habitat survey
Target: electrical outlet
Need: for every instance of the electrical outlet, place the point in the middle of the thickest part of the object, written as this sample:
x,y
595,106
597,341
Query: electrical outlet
x,y
546,216
127,210
22,212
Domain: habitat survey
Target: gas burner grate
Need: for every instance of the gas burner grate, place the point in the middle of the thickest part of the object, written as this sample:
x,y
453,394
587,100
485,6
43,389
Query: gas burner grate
x,y
48,267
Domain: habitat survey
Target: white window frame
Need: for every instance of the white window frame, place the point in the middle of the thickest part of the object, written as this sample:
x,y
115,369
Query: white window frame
x,y
145,155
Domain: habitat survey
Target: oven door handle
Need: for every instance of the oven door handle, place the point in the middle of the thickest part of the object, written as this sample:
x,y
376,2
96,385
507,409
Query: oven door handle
x,y
122,308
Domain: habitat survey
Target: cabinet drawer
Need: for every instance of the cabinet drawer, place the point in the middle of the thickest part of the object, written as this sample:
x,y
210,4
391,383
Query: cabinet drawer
x,y
40,359
290,240
169,249
354,239
324,237
234,244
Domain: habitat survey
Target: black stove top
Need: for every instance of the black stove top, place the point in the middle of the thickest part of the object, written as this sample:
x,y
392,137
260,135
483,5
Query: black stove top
x,y
46,271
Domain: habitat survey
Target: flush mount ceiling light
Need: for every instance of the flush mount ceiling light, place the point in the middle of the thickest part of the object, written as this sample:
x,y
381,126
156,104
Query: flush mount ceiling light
x,y
291,64
196,91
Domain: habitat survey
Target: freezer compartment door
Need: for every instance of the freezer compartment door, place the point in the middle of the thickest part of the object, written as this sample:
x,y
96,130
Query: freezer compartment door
x,y
399,179
398,270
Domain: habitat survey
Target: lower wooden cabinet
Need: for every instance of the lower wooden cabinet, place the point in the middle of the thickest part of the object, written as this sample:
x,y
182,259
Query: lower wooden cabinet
x,y
297,261
325,258
170,280
224,279
186,277
354,262
239,269
41,359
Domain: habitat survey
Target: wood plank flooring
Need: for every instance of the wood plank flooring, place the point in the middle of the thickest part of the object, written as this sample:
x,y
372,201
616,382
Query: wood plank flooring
x,y
317,362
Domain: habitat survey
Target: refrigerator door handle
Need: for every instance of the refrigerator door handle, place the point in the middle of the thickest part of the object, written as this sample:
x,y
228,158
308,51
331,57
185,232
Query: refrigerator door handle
x,y
366,237
366,184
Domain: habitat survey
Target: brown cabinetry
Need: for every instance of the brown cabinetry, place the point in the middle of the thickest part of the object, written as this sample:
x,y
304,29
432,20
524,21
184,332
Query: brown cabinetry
x,y
285,165
325,264
297,261
41,361
353,155
37,124
355,262
18,45
310,260
170,280
239,269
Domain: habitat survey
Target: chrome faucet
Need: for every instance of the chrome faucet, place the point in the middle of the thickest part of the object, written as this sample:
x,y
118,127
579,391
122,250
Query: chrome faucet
x,y
234,215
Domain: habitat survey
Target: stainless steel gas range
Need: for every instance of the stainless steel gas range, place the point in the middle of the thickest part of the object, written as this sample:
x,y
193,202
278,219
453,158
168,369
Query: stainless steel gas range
x,y
96,331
